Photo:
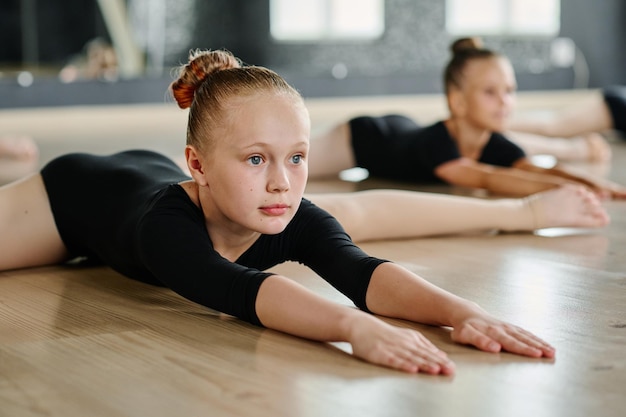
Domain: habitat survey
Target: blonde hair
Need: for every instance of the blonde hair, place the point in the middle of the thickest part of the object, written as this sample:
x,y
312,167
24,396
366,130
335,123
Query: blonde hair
x,y
213,79
464,50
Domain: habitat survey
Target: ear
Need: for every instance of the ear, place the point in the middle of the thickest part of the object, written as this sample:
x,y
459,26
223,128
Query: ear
x,y
195,163
456,102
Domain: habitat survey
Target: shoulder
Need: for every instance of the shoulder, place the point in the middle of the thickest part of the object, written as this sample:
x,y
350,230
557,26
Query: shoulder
x,y
435,144
501,141
309,213
437,133
312,223
437,128
171,208
501,151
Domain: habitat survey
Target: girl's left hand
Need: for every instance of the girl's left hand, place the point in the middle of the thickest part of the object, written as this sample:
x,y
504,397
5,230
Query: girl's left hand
x,y
492,335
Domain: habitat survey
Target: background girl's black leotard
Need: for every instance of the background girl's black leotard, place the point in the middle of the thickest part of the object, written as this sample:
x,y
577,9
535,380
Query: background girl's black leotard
x,y
395,147
128,211
615,99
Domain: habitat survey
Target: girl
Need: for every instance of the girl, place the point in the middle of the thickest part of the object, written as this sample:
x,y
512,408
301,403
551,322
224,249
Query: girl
x,y
211,236
465,149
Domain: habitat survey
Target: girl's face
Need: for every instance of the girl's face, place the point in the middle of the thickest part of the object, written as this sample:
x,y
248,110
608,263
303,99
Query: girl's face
x,y
256,171
488,93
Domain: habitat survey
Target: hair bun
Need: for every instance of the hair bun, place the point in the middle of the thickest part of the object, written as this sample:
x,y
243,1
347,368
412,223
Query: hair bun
x,y
202,63
466,44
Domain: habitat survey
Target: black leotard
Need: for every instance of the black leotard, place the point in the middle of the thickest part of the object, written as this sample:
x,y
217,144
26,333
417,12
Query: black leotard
x,y
615,98
128,211
395,147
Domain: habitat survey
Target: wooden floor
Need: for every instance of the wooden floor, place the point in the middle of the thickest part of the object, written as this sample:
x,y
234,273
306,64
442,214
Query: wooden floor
x,y
85,341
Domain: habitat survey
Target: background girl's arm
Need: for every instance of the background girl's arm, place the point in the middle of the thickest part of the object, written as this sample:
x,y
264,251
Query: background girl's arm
x,y
598,185
465,172
521,180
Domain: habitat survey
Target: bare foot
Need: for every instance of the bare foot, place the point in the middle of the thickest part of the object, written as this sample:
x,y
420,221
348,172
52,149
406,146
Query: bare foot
x,y
19,157
20,148
598,149
567,206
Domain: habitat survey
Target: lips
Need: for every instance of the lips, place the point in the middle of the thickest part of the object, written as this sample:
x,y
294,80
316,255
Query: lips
x,y
275,209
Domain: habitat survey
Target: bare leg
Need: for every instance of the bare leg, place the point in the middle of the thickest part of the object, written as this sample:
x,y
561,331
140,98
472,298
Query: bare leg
x,y
590,147
396,214
331,152
18,157
590,115
28,233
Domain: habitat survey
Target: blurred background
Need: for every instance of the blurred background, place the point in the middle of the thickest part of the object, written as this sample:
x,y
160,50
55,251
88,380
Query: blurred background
x,y
75,52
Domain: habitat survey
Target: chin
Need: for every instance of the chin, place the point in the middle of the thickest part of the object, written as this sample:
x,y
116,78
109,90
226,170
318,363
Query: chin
x,y
499,127
273,227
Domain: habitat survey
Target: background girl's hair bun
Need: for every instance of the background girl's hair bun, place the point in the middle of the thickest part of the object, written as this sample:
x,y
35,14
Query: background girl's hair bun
x,y
202,63
466,44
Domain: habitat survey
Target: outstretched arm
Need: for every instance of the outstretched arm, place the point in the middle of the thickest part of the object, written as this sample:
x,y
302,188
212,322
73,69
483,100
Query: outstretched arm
x,y
521,180
598,185
289,307
396,292
465,172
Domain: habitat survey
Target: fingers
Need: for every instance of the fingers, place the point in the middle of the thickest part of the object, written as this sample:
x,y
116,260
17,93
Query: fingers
x,y
501,336
468,334
408,351
516,340
417,357
423,362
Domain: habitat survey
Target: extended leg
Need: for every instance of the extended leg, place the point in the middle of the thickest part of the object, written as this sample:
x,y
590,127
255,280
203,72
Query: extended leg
x,y
396,214
591,115
28,233
18,157
590,147
331,152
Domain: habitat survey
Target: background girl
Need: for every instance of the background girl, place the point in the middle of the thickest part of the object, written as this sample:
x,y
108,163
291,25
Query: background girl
x,y
465,150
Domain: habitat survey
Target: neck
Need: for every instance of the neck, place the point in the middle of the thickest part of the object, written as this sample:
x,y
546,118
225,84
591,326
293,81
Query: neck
x,y
229,239
470,139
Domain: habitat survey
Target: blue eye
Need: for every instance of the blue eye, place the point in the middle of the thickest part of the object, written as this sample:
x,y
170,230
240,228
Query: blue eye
x,y
255,160
296,159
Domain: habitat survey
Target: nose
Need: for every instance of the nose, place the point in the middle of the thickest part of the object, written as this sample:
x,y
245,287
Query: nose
x,y
507,98
278,179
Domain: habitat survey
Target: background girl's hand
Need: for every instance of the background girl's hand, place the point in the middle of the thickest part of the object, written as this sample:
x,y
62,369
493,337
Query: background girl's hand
x,y
493,335
407,350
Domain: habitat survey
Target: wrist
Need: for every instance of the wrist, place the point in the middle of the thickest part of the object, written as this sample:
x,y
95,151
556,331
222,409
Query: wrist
x,y
351,324
467,309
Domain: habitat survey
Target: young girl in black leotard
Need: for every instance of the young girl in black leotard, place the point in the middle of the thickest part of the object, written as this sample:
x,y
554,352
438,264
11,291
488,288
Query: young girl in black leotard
x,y
465,150
212,235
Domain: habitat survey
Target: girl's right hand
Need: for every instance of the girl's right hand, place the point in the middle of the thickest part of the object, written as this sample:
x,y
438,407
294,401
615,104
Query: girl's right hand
x,y
403,349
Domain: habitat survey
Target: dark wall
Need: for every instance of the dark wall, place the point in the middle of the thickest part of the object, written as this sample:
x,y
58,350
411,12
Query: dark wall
x,y
407,59
599,29
46,33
